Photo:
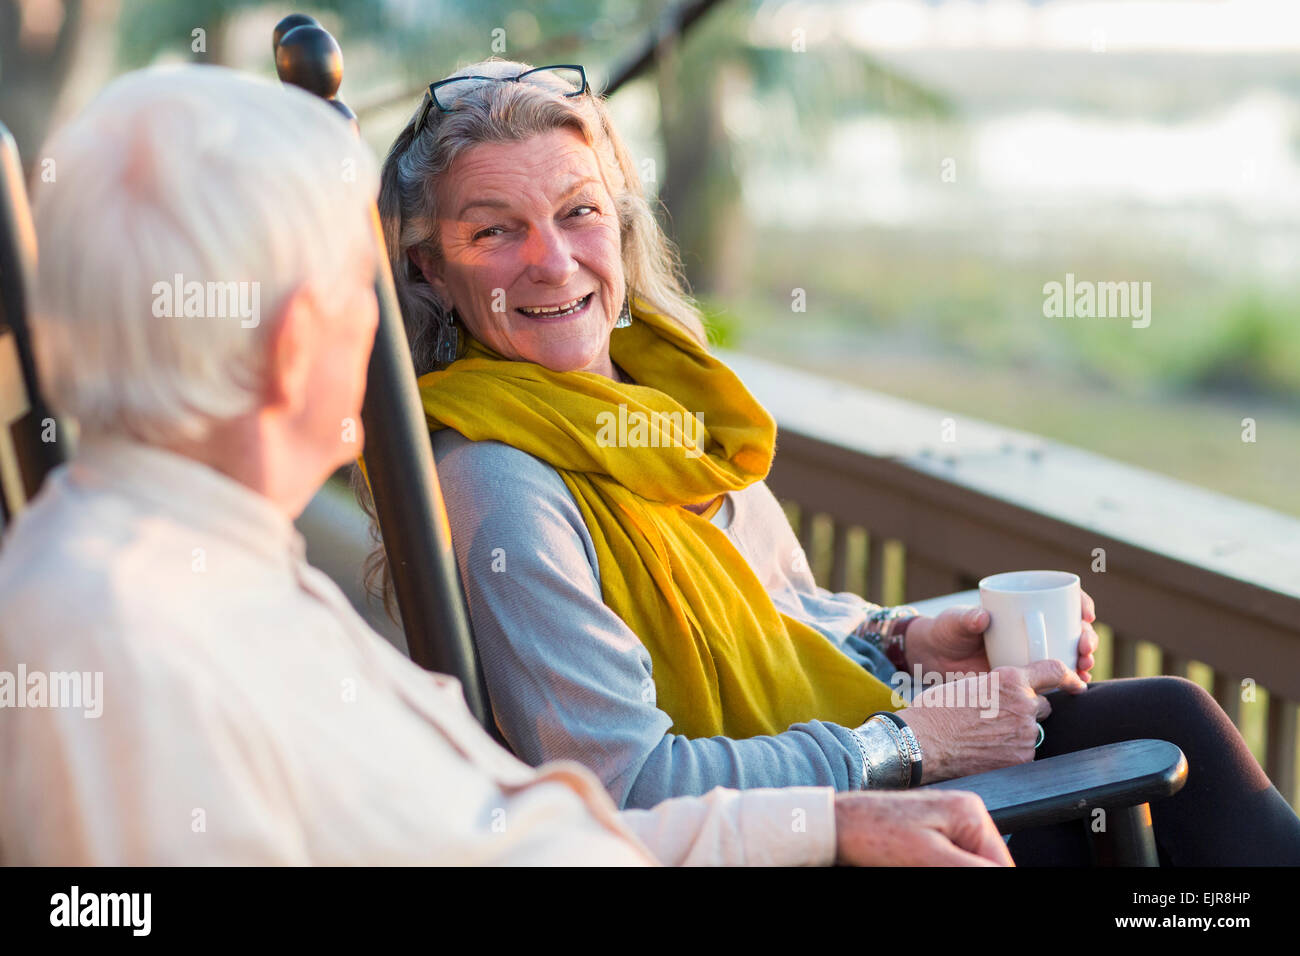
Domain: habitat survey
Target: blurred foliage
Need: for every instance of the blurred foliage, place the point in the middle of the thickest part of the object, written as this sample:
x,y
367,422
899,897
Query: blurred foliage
x,y
418,38
893,290
722,326
698,76
798,95
728,90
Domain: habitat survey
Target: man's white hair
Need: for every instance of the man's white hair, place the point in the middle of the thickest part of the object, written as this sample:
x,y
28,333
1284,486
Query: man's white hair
x,y
203,173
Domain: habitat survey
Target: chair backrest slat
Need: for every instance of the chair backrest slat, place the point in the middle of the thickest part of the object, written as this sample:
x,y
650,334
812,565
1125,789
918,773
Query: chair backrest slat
x,y
26,457
398,453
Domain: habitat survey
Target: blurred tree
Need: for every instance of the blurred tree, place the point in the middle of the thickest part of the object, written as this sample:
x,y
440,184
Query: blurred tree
x,y
37,43
801,91
149,27
699,79
696,78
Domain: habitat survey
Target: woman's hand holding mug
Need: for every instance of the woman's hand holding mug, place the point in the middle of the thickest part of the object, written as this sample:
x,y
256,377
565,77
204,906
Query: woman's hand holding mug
x,y
985,721
953,642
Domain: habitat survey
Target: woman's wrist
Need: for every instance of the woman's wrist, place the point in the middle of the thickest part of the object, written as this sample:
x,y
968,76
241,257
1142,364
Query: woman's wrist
x,y
887,628
891,753
933,728
903,628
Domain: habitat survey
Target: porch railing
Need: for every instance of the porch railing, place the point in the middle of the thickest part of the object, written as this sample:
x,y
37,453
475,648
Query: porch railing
x,y
897,501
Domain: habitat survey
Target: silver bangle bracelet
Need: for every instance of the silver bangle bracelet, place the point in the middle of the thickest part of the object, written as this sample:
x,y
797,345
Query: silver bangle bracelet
x,y
886,755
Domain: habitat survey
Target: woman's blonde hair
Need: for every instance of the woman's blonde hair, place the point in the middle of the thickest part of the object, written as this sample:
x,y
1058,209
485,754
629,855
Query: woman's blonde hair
x,y
488,111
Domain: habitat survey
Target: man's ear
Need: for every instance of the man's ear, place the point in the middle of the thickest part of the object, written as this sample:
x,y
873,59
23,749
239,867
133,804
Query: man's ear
x,y
425,261
289,351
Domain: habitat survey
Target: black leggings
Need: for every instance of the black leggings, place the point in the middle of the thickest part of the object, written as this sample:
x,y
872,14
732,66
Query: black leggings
x,y
1227,814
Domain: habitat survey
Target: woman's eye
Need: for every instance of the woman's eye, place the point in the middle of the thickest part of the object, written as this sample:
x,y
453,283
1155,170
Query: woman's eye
x,y
579,209
487,233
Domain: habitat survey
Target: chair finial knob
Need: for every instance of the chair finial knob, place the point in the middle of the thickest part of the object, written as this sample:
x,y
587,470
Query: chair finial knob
x,y
287,24
308,57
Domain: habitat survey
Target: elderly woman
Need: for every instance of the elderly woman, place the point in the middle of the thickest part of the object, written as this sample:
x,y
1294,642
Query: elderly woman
x,y
631,580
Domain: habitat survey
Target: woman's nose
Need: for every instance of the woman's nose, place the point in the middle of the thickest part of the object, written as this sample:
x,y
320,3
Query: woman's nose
x,y
549,257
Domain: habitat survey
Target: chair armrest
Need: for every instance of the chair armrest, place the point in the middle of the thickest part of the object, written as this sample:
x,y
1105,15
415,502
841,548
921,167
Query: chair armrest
x,y
1067,787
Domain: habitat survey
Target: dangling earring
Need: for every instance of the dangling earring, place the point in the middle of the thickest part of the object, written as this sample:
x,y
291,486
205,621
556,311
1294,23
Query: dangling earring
x,y
448,346
624,317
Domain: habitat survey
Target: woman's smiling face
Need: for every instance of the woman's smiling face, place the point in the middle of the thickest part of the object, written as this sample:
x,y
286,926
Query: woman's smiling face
x,y
531,252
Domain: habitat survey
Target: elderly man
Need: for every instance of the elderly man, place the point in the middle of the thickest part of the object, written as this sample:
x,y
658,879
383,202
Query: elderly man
x,y
204,312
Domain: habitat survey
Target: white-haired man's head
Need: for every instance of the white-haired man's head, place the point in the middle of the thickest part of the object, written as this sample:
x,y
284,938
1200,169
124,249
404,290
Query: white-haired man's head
x,y
206,260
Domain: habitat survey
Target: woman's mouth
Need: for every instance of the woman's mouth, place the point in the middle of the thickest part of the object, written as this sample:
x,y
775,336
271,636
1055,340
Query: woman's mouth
x,y
561,310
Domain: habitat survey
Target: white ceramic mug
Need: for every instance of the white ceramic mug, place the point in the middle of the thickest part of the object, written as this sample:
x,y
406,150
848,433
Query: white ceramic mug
x,y
1033,615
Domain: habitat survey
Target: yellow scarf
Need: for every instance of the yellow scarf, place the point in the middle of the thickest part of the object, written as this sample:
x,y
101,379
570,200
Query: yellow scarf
x,y
726,661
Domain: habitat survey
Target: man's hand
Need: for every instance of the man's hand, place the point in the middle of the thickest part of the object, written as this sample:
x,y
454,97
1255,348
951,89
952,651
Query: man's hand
x,y
916,828
953,642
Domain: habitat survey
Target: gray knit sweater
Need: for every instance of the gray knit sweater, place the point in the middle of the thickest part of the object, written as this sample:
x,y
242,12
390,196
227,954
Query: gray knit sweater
x,y
567,677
